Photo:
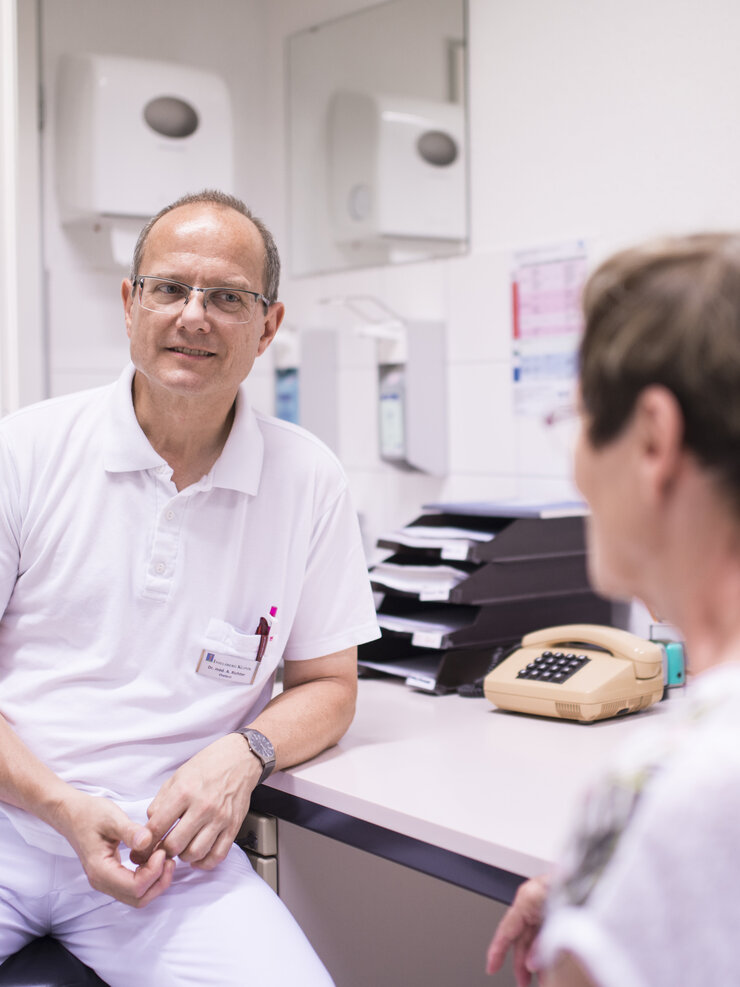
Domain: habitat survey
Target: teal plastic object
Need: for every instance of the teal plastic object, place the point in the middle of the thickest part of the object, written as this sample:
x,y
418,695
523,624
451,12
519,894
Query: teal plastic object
x,y
676,666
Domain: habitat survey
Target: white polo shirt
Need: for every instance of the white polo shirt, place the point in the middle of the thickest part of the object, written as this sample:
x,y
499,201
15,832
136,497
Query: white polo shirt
x,y
117,590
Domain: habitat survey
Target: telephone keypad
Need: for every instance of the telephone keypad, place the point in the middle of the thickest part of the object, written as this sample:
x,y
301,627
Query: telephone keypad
x,y
553,666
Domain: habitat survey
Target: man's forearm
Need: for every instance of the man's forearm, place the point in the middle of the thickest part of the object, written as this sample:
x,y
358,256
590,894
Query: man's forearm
x,y
315,708
29,784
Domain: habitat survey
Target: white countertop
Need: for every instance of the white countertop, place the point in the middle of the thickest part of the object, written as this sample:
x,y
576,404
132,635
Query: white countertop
x,y
458,773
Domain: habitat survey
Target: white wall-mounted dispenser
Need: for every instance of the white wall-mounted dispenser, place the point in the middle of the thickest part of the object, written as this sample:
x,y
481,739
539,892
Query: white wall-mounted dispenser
x,y
396,168
134,134
407,360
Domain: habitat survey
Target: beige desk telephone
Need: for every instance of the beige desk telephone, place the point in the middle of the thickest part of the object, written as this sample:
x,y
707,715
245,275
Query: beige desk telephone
x,y
578,672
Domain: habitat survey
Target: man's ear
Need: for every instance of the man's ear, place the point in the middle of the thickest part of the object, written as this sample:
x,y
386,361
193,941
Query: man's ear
x,y
659,430
127,296
270,326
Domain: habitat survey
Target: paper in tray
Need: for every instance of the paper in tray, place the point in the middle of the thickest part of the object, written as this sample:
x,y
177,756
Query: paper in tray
x,y
428,582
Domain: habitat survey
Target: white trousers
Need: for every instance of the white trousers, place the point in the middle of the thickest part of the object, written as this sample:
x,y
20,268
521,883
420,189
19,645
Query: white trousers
x,y
224,927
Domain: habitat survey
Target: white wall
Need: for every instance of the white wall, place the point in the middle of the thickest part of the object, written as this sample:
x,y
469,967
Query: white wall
x,y
609,121
8,220
22,356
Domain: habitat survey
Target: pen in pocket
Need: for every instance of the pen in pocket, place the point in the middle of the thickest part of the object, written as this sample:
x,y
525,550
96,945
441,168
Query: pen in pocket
x,y
263,629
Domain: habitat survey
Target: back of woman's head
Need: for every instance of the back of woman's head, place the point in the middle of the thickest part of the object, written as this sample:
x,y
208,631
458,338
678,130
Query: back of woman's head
x,y
668,313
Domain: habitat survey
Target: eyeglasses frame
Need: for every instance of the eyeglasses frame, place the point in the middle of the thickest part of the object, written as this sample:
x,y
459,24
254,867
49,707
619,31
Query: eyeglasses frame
x,y
139,283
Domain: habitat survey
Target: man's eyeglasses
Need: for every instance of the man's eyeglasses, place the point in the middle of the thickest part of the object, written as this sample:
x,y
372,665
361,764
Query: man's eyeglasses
x,y
169,297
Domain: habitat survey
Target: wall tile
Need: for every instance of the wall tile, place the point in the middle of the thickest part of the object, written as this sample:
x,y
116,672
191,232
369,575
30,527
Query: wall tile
x,y
479,307
480,430
358,418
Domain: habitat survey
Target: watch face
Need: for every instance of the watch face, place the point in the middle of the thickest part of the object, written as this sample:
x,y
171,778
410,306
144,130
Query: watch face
x,y
261,745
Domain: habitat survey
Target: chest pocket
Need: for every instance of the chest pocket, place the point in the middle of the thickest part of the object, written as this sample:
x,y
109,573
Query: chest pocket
x,y
229,655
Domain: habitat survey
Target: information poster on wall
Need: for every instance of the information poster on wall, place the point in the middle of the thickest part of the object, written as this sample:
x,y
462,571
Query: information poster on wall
x,y
547,325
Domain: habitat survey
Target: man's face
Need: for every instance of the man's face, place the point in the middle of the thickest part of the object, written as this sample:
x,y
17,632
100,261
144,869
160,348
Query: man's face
x,y
193,353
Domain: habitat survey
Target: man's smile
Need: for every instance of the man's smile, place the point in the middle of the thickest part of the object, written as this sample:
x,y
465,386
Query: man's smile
x,y
187,351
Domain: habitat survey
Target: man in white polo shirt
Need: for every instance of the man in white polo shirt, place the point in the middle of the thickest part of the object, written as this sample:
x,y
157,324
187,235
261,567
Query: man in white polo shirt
x,y
162,547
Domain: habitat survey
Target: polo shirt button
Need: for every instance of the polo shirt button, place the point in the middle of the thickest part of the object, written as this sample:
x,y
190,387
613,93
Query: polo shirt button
x,y
159,568
170,515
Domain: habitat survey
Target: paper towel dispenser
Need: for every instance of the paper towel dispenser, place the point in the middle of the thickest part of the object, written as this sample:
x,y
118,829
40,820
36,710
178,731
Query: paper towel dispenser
x,y
134,134
397,168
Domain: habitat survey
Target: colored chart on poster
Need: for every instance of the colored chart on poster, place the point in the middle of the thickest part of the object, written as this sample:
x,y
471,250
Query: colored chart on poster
x,y
547,325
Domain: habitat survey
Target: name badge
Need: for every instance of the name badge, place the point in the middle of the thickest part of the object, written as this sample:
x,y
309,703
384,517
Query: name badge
x,y
231,669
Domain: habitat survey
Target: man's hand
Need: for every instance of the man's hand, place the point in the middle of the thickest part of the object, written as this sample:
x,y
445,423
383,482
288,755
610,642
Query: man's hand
x,y
198,811
519,928
95,828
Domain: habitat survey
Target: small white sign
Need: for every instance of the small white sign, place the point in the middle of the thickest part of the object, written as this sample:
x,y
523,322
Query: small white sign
x,y
229,669
426,596
421,682
457,550
426,639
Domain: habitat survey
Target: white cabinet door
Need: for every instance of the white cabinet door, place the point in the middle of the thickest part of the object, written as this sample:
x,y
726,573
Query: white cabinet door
x,y
376,923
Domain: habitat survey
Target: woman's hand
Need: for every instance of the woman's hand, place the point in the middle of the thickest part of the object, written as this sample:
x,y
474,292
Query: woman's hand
x,y
518,929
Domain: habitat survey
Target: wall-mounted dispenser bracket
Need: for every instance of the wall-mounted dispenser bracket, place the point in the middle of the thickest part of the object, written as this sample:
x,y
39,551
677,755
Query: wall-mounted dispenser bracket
x,y
378,321
411,360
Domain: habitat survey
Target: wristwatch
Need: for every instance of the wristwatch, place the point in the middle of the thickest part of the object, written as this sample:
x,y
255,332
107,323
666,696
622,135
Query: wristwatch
x,y
261,747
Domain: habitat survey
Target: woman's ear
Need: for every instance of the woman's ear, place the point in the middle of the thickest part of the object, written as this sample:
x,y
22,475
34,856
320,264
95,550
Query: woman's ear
x,y
659,432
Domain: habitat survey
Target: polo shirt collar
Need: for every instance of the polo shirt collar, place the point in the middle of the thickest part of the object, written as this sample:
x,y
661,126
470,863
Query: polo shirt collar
x,y
127,449
239,466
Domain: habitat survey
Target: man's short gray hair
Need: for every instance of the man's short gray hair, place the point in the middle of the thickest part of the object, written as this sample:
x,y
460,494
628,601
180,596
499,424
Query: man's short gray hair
x,y
271,272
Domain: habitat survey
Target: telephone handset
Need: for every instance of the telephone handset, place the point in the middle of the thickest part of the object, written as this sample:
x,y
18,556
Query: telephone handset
x,y
578,672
